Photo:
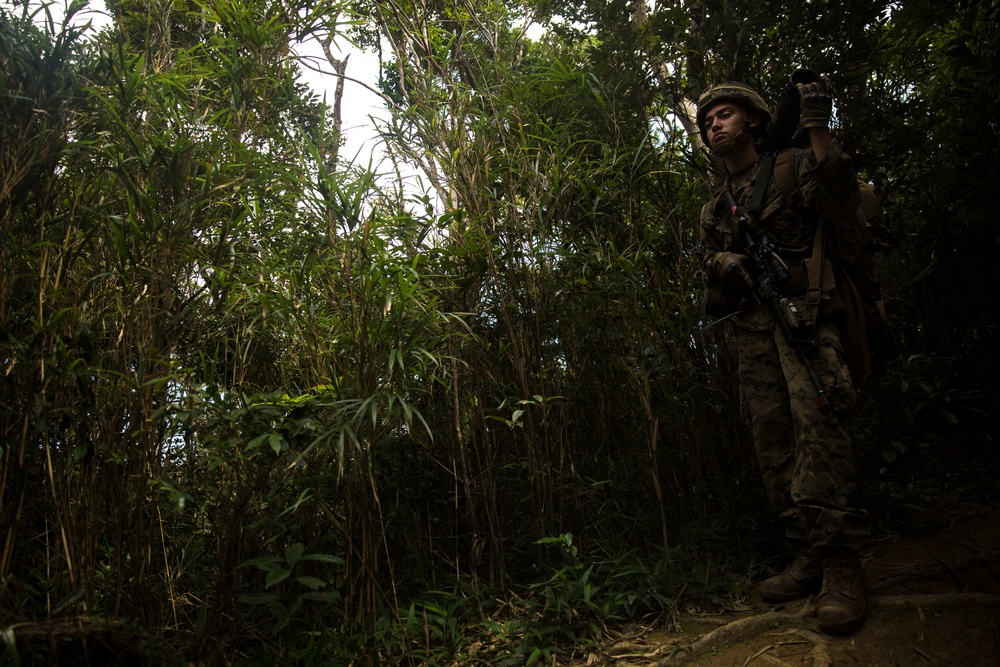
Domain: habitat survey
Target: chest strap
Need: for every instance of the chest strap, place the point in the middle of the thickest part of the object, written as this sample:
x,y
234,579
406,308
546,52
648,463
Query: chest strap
x,y
761,184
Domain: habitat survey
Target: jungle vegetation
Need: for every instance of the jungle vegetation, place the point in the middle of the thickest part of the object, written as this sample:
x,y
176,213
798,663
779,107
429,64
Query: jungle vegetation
x,y
263,405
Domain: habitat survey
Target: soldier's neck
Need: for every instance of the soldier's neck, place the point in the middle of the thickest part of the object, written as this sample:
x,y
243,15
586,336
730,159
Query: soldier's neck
x,y
744,159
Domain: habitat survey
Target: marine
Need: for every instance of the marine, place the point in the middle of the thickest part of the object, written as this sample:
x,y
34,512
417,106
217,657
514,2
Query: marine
x,y
798,398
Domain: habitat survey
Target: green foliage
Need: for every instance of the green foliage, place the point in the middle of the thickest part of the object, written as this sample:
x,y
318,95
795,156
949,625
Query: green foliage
x,y
284,604
278,409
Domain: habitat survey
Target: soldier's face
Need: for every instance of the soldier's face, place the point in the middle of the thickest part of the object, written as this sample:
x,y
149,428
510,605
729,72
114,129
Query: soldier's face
x,y
727,125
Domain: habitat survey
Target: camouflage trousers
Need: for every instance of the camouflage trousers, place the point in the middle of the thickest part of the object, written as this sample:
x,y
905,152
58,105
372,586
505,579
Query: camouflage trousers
x,y
805,456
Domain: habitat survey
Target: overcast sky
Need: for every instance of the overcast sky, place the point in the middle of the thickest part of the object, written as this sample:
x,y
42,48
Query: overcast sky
x,y
359,104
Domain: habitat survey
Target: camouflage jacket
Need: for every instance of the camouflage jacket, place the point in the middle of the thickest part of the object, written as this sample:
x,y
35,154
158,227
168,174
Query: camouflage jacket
x,y
827,189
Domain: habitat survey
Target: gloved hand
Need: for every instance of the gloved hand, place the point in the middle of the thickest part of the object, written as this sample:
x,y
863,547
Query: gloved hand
x,y
817,103
728,270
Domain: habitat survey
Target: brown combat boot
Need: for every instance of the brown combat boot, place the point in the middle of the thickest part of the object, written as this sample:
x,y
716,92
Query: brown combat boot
x,y
803,577
842,606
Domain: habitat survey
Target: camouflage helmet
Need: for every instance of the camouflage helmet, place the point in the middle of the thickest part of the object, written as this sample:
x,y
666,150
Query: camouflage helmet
x,y
738,93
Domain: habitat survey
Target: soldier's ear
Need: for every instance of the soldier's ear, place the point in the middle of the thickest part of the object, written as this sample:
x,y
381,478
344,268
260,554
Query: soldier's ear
x,y
753,120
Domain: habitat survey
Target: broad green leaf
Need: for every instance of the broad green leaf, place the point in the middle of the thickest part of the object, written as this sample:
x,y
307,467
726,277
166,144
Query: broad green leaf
x,y
276,577
293,553
314,583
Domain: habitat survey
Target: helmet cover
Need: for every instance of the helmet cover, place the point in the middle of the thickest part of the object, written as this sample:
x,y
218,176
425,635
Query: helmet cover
x,y
731,91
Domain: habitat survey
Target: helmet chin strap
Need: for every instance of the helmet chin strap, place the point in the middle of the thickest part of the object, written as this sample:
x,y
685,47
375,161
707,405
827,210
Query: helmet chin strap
x,y
728,147
743,130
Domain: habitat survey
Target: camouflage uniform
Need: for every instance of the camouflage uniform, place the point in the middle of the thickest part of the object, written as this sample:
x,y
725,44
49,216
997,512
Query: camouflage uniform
x,y
805,456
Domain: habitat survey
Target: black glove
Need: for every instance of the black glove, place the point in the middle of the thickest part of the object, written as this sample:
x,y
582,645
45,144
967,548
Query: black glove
x,y
817,103
727,269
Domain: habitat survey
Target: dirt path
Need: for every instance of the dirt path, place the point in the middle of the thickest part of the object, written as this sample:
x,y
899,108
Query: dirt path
x,y
934,599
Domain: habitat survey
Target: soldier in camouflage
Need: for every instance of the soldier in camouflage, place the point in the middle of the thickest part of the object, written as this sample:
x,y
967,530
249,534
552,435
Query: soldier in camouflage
x,y
804,452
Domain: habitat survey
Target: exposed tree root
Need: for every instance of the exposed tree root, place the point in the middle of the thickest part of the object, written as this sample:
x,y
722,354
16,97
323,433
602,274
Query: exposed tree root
x,y
732,633
745,628
935,600
819,652
926,568
89,639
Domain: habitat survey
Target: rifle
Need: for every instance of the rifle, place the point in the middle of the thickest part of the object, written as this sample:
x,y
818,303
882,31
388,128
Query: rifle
x,y
768,272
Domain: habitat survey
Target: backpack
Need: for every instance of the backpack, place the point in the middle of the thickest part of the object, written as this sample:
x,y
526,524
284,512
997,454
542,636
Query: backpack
x,y
849,244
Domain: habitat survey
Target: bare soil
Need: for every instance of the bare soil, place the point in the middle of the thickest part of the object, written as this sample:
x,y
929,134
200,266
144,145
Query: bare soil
x,y
934,599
